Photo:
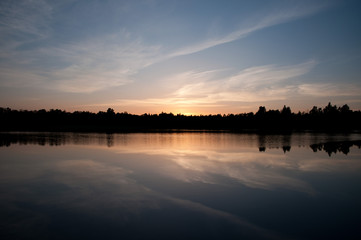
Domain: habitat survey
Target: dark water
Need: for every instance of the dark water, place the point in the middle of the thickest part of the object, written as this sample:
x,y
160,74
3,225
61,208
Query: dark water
x,y
180,186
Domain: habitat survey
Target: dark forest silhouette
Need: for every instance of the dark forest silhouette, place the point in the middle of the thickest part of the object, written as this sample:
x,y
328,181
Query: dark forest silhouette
x,y
328,119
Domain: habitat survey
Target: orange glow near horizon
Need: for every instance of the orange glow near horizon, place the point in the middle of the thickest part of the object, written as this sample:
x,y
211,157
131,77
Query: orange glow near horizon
x,y
169,107
184,110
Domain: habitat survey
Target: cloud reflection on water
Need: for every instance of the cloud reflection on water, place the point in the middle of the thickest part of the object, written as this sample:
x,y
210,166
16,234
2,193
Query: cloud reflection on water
x,y
142,181
192,157
102,188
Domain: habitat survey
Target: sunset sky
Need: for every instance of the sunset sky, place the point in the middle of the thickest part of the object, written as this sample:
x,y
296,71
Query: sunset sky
x,y
180,56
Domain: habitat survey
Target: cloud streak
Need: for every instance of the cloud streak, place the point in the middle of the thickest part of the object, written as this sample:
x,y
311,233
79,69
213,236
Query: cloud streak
x,y
210,90
262,83
133,56
25,17
329,89
273,19
100,62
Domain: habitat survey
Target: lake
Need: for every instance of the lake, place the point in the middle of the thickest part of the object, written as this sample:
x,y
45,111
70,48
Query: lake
x,y
186,185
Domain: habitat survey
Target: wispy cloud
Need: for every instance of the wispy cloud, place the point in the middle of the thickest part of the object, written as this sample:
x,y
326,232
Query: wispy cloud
x,y
207,89
101,64
103,61
329,89
260,83
29,17
12,77
86,67
75,65
110,60
77,79
270,19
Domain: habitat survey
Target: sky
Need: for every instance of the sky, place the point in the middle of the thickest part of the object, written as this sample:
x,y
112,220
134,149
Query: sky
x,y
179,56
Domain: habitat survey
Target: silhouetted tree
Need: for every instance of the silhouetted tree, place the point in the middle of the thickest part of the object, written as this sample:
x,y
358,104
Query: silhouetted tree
x,y
345,109
330,110
261,111
286,111
315,111
110,111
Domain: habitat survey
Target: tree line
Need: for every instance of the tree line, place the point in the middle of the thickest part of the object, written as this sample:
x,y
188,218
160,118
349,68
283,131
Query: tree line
x,y
329,118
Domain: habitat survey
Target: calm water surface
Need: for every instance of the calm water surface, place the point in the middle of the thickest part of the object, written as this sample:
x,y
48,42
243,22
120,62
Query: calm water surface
x,y
179,186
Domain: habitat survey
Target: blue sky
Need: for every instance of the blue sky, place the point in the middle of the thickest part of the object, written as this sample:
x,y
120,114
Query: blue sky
x,y
192,57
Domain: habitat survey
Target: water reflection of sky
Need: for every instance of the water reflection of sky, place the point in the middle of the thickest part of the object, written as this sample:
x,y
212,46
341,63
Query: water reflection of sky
x,y
179,186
